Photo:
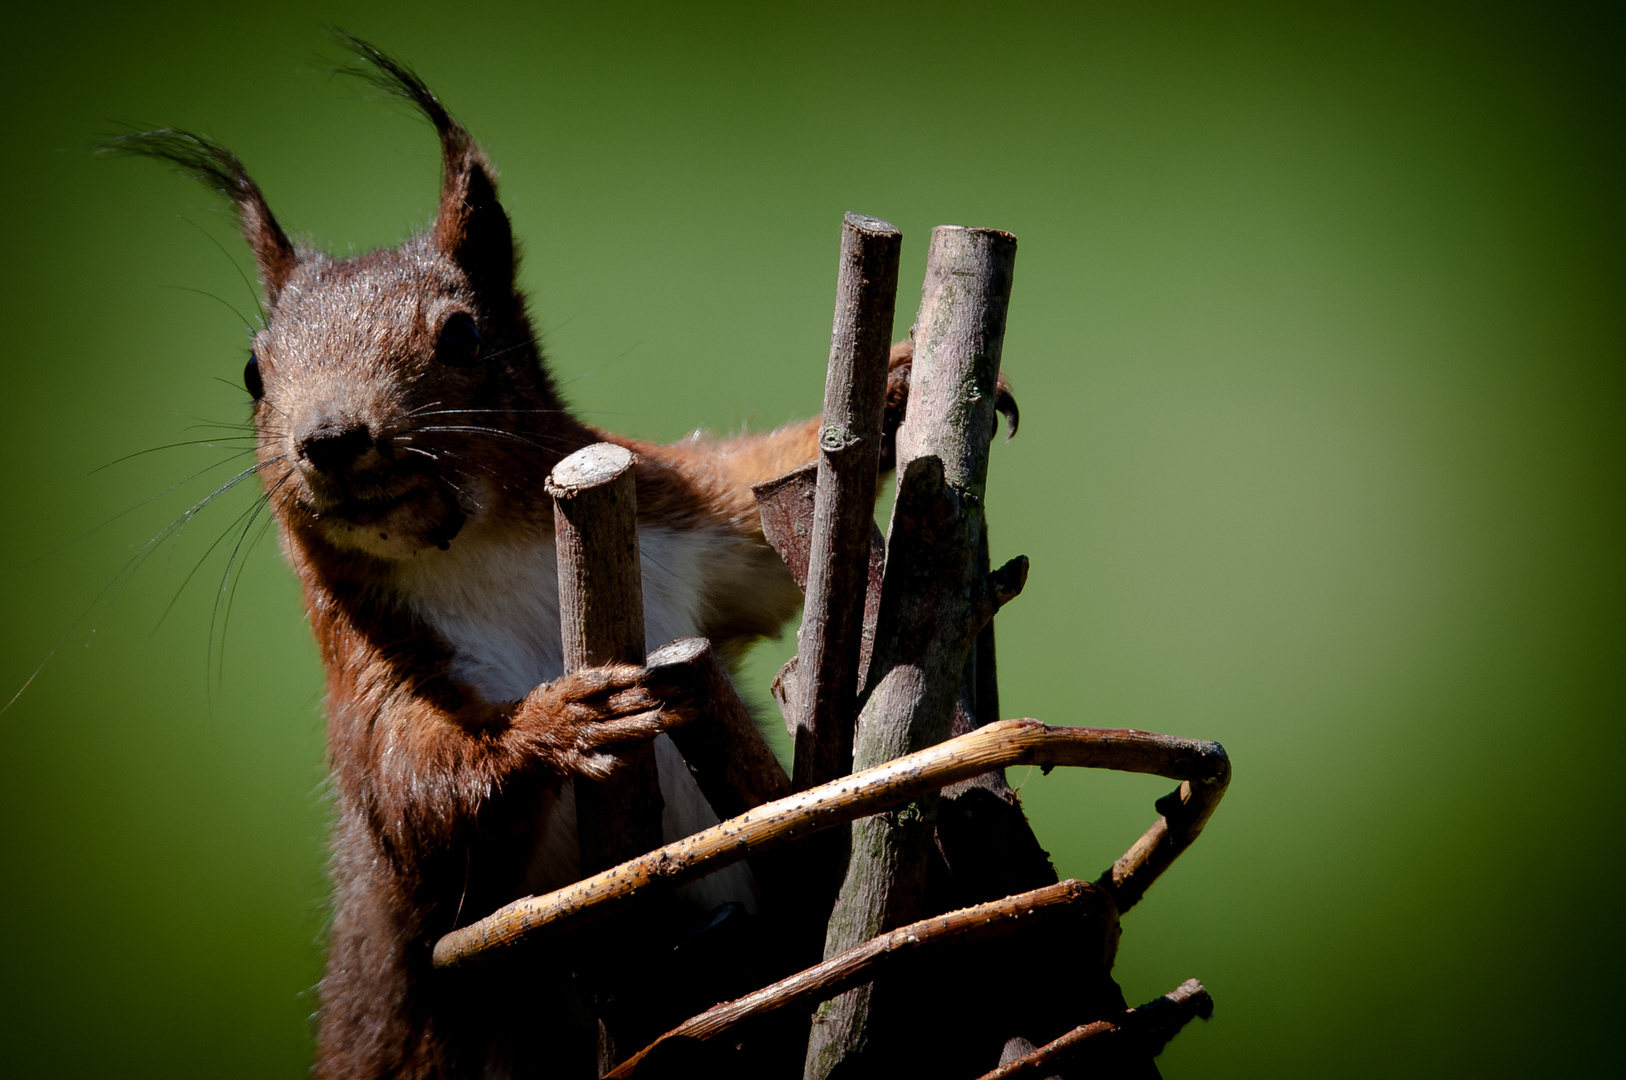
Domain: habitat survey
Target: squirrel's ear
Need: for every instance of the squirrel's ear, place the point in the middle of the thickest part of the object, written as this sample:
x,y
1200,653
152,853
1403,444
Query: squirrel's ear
x,y
219,168
471,225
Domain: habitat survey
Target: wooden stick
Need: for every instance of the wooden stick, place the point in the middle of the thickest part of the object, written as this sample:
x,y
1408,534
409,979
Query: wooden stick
x,y
725,753
982,833
731,761
601,616
972,924
1203,766
1143,1031
934,598
844,506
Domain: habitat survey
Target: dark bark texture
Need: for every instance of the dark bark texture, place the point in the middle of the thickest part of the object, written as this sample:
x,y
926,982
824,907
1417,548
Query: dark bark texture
x,y
934,600
843,507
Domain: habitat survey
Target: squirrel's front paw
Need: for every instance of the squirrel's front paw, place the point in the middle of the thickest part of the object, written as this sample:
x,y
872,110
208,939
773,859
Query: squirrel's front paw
x,y
585,718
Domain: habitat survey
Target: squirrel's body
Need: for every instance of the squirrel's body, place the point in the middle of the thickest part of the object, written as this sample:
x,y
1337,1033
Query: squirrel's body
x,y
406,426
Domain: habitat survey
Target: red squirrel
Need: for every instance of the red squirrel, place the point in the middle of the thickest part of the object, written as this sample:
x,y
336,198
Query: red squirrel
x,y
406,422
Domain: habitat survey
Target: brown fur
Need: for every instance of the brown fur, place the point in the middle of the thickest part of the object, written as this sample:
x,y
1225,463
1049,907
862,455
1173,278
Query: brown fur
x,y
391,432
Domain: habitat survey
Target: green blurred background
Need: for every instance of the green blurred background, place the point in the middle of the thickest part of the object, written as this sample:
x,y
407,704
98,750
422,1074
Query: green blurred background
x,y
1318,336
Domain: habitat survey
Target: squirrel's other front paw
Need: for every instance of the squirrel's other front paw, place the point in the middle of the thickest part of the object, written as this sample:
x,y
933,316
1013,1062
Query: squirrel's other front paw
x,y
899,365
587,717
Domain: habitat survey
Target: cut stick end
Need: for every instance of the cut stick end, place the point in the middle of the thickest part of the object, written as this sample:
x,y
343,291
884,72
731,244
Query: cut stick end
x,y
873,226
680,651
1192,995
590,467
999,236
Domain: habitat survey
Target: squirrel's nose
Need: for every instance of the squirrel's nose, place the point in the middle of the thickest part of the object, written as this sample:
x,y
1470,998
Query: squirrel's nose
x,y
331,448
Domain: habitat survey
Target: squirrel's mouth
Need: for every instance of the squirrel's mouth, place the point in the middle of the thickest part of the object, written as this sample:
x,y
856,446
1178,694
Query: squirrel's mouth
x,y
366,510
363,497
394,522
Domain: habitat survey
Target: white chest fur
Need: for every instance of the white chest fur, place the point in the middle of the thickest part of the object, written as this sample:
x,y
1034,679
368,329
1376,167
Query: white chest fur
x,y
497,606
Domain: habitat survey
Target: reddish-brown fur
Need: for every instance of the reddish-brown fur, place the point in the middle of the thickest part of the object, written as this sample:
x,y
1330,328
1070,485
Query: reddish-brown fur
x,y
379,447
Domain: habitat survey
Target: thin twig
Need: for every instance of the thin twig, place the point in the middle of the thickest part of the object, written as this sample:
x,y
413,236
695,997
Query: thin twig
x,y
1145,1030
861,964
1202,767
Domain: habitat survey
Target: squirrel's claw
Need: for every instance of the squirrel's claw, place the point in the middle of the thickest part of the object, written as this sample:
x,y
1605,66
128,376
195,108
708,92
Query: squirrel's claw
x,y
1005,405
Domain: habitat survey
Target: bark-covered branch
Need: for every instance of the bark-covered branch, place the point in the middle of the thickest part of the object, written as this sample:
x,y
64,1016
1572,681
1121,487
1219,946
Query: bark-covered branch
x,y
725,753
827,646
601,615
730,760
786,506
935,596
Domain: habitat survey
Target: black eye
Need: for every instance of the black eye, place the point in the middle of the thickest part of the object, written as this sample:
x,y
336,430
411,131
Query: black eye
x,y
251,378
459,344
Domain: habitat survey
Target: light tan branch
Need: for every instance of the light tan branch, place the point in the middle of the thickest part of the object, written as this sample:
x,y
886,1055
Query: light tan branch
x,y
1202,766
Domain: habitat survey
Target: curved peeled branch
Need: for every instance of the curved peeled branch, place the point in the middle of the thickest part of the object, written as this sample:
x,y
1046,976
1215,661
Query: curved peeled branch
x,y
1203,769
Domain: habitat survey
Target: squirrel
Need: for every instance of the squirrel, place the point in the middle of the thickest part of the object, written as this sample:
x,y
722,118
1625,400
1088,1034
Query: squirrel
x,y
406,421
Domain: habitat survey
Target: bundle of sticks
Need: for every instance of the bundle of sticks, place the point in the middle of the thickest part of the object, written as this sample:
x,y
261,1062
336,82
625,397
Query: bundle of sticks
x,y
908,917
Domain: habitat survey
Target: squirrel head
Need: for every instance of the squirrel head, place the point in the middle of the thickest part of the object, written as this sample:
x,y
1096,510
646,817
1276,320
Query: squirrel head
x,y
398,395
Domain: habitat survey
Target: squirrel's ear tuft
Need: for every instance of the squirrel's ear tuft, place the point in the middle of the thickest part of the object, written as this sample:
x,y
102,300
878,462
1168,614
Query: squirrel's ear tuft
x,y
471,225
220,169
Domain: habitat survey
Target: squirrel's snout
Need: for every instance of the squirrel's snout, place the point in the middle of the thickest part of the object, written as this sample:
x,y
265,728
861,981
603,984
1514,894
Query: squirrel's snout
x,y
332,449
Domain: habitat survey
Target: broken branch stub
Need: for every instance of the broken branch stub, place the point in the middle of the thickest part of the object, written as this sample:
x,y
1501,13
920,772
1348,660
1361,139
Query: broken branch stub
x,y
726,754
1140,1032
728,757
601,618
934,598
786,506
843,507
